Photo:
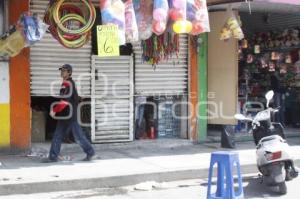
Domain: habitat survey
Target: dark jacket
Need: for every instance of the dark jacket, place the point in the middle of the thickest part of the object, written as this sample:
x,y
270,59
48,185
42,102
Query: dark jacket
x,y
69,100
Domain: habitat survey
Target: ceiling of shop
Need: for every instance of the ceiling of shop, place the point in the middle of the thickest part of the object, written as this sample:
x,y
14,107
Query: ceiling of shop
x,y
265,16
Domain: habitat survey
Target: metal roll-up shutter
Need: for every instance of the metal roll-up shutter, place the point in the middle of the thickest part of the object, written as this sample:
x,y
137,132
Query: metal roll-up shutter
x,y
48,54
112,99
169,77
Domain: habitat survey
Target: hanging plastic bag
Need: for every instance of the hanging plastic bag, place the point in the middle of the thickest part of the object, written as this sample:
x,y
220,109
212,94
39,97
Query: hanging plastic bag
x,y
197,13
177,14
160,16
144,16
131,31
232,27
33,28
12,43
113,12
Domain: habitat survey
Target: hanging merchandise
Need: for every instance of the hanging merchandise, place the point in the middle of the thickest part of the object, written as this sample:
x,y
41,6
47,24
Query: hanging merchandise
x,y
71,21
144,17
178,15
113,12
160,16
256,49
158,48
12,43
197,13
29,30
33,28
232,27
272,67
131,29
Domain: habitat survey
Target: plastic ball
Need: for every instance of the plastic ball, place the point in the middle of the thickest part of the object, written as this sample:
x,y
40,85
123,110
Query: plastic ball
x,y
158,27
197,28
180,27
176,15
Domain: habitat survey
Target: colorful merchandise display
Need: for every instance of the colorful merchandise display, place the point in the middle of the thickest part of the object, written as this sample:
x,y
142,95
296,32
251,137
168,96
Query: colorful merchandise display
x,y
131,29
160,16
113,12
144,17
198,15
158,48
71,21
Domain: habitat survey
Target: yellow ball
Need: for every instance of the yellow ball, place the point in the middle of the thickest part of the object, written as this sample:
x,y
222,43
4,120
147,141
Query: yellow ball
x,y
180,27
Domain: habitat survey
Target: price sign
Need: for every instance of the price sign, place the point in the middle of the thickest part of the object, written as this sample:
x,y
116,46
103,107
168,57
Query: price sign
x,y
108,40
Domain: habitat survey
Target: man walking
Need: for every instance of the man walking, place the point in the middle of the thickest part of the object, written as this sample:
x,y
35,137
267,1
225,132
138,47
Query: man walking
x,y
66,114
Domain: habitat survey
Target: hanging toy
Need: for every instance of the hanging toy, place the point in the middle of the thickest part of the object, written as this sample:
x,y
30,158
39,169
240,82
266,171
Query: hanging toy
x,y
70,21
160,16
197,13
272,67
144,17
131,29
113,12
231,27
178,15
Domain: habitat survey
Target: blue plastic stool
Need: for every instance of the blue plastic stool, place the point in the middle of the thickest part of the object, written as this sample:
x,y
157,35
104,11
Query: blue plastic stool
x,y
225,190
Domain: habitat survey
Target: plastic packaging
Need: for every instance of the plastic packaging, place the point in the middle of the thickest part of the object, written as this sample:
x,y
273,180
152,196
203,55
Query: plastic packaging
x,y
177,14
13,44
144,16
160,16
232,27
131,29
33,28
113,12
197,13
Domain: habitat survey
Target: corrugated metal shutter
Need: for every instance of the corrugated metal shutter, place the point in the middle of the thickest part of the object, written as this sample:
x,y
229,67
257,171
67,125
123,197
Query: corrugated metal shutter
x,y
112,99
47,55
168,77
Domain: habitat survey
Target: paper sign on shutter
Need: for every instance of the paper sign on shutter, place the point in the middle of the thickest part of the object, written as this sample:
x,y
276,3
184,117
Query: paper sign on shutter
x,y
108,40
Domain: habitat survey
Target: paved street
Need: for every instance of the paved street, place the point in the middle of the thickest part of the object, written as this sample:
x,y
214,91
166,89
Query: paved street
x,y
127,165
190,189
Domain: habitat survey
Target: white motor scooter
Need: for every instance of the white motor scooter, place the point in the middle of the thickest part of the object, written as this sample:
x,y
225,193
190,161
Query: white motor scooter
x,y
273,155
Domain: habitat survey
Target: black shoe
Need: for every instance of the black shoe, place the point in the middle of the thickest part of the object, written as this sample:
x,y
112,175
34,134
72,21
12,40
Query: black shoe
x,y
89,158
48,160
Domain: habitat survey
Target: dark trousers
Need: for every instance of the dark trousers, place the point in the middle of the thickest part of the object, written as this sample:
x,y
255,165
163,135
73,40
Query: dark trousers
x,y
62,129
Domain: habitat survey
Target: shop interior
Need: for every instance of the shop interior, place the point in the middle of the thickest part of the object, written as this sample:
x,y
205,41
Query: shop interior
x,y
160,117
269,59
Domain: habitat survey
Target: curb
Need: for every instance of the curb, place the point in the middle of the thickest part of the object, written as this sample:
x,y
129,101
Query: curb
x,y
109,182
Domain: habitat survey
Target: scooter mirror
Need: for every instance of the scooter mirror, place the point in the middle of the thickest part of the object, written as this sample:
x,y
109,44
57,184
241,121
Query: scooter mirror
x,y
269,95
240,117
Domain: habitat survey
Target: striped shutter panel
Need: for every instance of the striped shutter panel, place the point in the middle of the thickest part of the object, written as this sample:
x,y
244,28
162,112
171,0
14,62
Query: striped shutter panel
x,y
48,54
112,99
168,77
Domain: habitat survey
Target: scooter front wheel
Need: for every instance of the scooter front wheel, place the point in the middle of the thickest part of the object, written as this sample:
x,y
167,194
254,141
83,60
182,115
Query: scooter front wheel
x,y
282,188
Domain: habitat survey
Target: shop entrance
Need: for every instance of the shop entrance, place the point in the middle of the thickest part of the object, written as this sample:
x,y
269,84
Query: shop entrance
x,y
269,59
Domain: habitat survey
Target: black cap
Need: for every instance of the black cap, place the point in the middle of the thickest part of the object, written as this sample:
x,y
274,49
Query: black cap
x,y
67,67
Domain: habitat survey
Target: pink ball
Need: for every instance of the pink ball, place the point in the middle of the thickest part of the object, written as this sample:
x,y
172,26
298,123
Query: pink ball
x,y
158,27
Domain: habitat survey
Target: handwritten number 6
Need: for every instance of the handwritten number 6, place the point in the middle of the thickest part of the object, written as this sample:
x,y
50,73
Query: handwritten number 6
x,y
107,49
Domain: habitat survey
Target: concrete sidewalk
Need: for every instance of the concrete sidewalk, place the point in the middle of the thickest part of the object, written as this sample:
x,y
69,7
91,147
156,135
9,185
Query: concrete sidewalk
x,y
118,165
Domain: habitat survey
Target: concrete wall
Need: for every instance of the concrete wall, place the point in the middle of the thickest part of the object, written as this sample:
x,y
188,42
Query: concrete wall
x,y
19,69
4,105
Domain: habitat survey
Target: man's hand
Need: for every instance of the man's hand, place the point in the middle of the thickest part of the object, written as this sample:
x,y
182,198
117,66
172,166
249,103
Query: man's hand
x,y
52,113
